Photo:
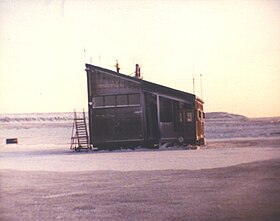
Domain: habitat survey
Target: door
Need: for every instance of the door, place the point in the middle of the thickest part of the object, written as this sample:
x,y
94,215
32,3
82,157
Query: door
x,y
152,129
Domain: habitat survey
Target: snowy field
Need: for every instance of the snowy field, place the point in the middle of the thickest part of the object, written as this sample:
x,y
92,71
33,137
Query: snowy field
x,y
234,177
44,141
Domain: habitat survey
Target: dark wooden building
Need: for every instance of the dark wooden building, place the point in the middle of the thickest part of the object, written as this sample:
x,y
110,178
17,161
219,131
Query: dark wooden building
x,y
126,111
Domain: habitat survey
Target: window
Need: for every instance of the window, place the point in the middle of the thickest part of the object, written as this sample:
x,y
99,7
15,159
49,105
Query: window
x,y
110,100
180,117
200,115
134,99
122,99
165,109
98,101
189,116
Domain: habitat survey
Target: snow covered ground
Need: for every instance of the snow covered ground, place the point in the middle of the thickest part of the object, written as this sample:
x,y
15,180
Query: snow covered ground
x,y
44,141
235,177
218,155
41,129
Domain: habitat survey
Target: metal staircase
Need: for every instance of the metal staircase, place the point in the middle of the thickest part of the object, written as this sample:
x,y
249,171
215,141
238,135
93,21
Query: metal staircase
x,y
79,138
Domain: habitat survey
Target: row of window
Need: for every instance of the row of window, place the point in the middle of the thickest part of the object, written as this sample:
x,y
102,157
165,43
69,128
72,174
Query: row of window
x,y
116,100
174,111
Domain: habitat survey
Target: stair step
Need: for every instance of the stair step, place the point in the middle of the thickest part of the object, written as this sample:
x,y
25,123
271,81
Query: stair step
x,y
81,138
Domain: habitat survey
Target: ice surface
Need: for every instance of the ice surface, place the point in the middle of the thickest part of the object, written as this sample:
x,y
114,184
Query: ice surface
x,y
37,129
58,160
158,190
44,141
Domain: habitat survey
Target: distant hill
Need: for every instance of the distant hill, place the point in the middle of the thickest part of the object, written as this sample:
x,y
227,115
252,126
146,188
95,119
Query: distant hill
x,y
224,116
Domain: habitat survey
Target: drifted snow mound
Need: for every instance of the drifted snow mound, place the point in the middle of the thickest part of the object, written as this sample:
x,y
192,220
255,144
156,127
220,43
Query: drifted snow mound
x,y
224,116
222,125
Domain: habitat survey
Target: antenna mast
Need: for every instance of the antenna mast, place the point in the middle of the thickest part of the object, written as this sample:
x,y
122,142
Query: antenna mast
x,y
193,81
201,86
85,55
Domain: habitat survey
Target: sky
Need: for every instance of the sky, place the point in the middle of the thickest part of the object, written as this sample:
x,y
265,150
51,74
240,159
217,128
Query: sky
x,y
230,48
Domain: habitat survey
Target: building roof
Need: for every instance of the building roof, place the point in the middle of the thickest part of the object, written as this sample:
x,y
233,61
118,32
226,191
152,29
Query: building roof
x,y
146,85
